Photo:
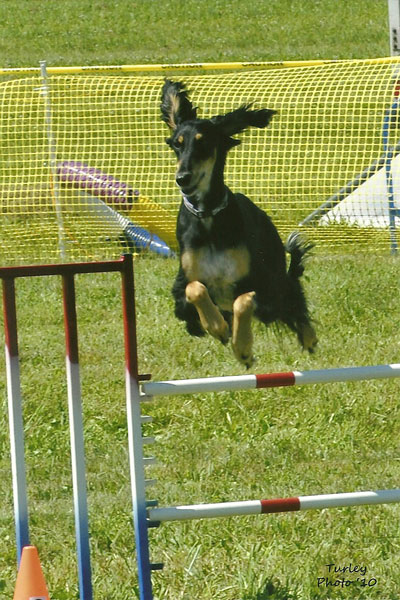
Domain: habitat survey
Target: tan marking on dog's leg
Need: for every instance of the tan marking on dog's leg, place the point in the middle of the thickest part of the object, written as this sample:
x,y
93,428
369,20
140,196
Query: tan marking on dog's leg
x,y
210,317
242,337
308,338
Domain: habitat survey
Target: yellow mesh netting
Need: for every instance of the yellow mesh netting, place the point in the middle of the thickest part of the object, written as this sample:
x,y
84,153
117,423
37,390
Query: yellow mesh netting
x,y
325,155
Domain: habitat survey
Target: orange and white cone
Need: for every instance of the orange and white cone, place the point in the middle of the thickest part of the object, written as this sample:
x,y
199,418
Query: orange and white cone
x,y
30,583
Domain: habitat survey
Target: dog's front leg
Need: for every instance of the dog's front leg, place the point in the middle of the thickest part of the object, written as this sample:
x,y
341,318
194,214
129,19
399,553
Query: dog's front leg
x,y
210,317
242,337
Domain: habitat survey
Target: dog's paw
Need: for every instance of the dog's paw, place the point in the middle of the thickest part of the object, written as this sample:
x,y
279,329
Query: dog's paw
x,y
309,339
244,355
248,361
311,349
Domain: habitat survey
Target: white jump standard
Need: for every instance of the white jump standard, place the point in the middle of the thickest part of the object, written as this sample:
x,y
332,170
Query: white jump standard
x,y
134,419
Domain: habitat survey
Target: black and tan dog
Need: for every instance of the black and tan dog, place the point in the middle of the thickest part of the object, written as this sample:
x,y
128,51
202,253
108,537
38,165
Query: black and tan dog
x,y
232,260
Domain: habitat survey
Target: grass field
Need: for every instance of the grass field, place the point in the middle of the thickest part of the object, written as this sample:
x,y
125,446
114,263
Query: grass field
x,y
138,32
224,446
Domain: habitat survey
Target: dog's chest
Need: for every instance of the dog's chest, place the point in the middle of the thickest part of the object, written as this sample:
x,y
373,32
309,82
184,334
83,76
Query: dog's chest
x,y
219,270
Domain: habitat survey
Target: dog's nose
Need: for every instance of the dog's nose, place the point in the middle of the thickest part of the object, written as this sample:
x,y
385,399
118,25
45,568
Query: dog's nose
x,y
183,179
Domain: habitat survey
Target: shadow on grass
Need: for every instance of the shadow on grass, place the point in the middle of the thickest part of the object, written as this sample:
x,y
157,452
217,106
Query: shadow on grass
x,y
273,591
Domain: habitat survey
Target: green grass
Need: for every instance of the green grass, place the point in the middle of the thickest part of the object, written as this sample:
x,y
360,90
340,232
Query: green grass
x,y
98,32
223,446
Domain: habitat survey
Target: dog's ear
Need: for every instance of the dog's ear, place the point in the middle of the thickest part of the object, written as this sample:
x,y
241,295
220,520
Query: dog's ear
x,y
238,120
175,104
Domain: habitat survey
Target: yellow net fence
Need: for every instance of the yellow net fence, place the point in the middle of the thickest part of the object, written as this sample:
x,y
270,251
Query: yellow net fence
x,y
85,171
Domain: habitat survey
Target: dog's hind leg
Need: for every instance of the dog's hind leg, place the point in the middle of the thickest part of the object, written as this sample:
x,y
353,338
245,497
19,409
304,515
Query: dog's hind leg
x,y
210,317
297,317
242,337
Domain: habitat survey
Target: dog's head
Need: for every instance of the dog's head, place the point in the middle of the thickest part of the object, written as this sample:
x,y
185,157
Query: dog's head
x,y
202,144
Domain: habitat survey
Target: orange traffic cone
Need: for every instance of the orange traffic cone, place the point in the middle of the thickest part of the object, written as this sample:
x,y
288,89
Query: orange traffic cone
x,y
30,583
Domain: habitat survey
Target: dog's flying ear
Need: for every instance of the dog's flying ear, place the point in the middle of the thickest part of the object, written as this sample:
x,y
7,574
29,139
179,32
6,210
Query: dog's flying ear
x,y
175,105
238,120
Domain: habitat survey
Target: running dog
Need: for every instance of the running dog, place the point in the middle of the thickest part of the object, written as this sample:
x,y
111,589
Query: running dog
x,y
232,260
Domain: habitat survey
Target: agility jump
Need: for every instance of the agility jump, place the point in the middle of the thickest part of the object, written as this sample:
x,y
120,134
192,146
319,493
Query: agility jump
x,y
147,514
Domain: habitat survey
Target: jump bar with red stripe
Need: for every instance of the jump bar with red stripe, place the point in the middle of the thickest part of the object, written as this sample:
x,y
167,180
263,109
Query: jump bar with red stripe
x,y
275,380
245,382
279,505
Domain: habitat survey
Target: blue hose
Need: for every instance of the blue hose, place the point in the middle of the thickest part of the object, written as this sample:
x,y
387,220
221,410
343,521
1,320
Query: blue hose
x,y
144,240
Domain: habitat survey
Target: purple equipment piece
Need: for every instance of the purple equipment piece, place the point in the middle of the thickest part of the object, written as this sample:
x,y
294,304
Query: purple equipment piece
x,y
110,191
92,180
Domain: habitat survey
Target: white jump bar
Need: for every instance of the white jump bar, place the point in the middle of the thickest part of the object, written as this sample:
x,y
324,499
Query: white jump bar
x,y
292,378
257,507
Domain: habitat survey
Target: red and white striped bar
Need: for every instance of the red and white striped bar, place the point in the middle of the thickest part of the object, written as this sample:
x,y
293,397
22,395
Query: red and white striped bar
x,y
279,505
270,380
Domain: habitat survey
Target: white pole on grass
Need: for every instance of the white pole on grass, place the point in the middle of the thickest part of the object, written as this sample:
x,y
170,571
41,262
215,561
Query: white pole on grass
x,y
15,418
53,160
76,437
394,26
269,380
279,505
135,439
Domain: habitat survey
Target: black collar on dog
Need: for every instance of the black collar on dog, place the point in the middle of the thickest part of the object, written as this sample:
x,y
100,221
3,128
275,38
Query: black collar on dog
x,y
203,214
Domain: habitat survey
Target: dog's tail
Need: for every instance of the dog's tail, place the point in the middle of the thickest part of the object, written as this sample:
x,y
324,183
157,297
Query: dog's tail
x,y
298,248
